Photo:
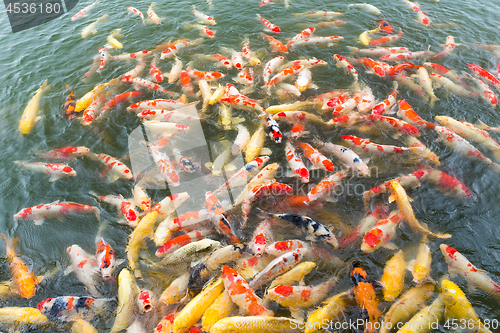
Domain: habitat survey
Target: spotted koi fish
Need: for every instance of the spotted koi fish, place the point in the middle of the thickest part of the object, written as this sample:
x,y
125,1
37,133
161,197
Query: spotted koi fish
x,y
106,258
155,72
114,168
126,208
318,41
379,212
315,157
260,238
240,100
181,160
69,308
373,148
146,84
342,62
203,29
245,77
381,233
277,267
385,39
279,248
203,75
54,170
189,220
315,231
66,153
306,33
447,184
260,191
130,56
177,46
301,296
156,104
399,125
284,74
365,297
203,18
135,12
56,210
366,100
464,148
483,74
325,188
69,104
85,267
346,156
273,128
90,113
103,56
485,92
379,51
298,167
240,177
84,12
276,45
180,241
168,205
222,60
407,113
386,104
401,67
145,301
219,217
375,67
118,99
242,294
165,167
270,27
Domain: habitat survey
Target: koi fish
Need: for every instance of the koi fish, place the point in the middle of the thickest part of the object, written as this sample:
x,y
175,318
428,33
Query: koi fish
x,y
373,148
69,104
366,100
284,74
365,297
381,233
65,153
447,184
332,309
29,117
91,28
379,212
23,279
186,252
145,301
375,67
152,17
401,67
156,104
386,104
126,208
296,164
177,46
242,101
275,44
386,39
242,294
393,278
316,158
54,170
364,38
165,166
302,35
342,62
379,51
114,168
262,190
385,26
92,111
300,296
241,141
346,156
202,18
203,29
106,258
426,316
421,266
127,293
444,82
219,217
240,177
135,12
485,92
56,210
103,56
85,267
84,12
399,195
179,241
270,27
118,99
137,69
245,77
325,188
203,75
315,231
68,308
319,14
458,306
139,83
317,41
464,148
481,73
407,113
397,124
367,7
406,56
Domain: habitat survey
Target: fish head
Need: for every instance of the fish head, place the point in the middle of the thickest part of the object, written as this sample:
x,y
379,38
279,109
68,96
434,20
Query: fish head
x,y
46,305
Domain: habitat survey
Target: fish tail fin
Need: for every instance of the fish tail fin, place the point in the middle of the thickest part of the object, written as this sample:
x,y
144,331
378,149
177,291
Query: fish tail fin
x,y
44,87
433,100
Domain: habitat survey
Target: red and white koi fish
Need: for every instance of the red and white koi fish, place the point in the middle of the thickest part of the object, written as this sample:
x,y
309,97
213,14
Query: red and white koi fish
x,y
366,100
93,67
421,17
165,167
137,69
406,56
386,39
447,184
375,67
66,153
329,24
222,60
426,84
179,45
284,74
386,104
203,29
126,207
129,56
242,294
463,147
145,301
411,180
458,264
367,7
152,17
373,148
301,296
347,106
54,170
186,84
293,117
118,99
155,72
279,248
114,168
270,67
426,152
296,164
306,33
70,308
399,125
135,12
441,70
260,238
202,18
139,83
482,73
168,205
245,77
315,157
270,27
347,121
103,56
248,54
189,220
331,104
241,101
260,191
141,198
106,258
485,92
175,71
381,233
472,133
203,75
275,44
156,104
379,51
447,49
444,82
342,62
325,189
346,156
164,115
379,212
407,113
240,177
84,12
307,63
278,266
219,217
85,267
401,67
92,111
180,241
323,41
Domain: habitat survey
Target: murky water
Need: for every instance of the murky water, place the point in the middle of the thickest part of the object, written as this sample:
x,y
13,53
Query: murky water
x,y
56,51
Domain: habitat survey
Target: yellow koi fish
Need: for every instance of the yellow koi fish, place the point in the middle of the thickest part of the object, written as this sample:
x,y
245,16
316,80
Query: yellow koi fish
x,y
29,117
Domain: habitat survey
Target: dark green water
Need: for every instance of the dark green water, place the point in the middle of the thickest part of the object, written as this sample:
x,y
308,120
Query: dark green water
x,y
56,51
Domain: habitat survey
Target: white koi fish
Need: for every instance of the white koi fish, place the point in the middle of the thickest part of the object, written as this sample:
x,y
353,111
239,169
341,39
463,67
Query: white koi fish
x,y
367,7
54,170
91,28
84,12
203,18
56,210
135,12
85,267
152,17
114,168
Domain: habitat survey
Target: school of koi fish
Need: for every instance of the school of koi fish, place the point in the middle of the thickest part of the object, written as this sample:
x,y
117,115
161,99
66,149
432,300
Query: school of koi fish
x,y
247,265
